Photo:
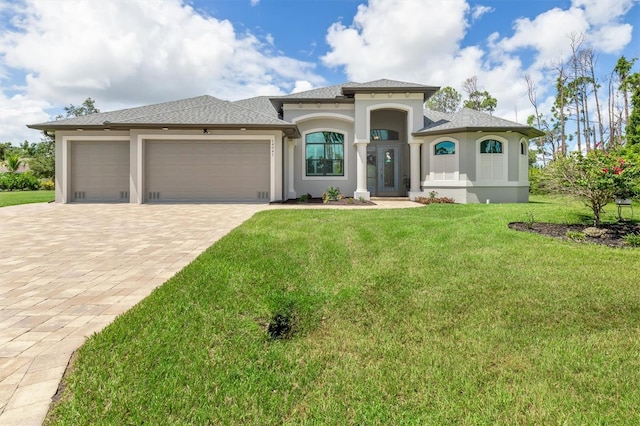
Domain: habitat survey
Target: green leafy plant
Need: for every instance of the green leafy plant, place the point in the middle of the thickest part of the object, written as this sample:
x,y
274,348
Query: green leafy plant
x,y
47,185
18,182
632,239
597,178
361,199
304,198
530,220
332,194
575,235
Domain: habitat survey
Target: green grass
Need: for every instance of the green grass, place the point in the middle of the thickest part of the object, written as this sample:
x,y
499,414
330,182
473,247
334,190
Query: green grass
x,y
434,315
13,198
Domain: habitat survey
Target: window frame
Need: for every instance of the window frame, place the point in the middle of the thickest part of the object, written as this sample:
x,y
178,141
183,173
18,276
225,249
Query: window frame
x,y
433,159
345,135
496,157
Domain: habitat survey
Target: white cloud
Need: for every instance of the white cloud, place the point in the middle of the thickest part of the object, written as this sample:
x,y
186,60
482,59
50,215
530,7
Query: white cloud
x,y
479,10
548,34
412,52
131,52
602,12
302,86
611,38
255,2
15,113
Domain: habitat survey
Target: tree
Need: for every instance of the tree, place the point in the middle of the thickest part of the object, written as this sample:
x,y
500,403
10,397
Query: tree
x,y
42,163
598,178
623,71
633,125
87,107
447,100
478,100
13,163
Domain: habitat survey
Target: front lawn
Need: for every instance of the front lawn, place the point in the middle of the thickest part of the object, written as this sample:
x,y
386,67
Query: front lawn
x,y
433,315
13,198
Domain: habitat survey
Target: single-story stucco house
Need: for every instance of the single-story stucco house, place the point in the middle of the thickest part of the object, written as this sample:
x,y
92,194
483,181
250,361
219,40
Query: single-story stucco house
x,y
369,139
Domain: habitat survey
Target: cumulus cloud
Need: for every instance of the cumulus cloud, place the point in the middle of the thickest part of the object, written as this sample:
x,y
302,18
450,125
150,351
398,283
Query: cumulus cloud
x,y
411,51
302,86
602,12
131,52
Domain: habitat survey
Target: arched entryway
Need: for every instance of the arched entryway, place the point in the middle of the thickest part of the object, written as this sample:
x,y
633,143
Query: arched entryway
x,y
387,153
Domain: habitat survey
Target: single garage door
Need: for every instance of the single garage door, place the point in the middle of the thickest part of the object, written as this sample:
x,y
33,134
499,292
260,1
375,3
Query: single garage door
x,y
207,171
100,171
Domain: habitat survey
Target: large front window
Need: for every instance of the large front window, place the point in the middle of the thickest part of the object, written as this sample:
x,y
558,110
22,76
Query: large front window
x,y
324,154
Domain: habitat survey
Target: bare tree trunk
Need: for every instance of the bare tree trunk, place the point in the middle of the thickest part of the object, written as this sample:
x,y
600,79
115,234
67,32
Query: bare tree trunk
x,y
591,64
576,41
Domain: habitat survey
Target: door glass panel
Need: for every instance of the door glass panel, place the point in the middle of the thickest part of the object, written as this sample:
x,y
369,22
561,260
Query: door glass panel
x,y
372,170
389,169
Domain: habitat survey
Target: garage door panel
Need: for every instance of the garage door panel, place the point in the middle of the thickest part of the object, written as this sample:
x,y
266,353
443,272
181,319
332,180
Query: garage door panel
x,y
207,171
99,171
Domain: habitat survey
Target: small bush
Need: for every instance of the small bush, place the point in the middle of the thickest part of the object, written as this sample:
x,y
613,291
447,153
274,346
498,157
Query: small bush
x,y
434,200
575,235
530,220
304,198
47,185
19,182
332,194
632,239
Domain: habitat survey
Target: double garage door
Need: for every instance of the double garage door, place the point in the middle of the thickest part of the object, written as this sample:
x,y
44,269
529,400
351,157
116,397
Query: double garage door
x,y
174,171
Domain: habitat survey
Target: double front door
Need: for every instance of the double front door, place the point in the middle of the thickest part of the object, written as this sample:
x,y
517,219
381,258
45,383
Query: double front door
x,y
383,171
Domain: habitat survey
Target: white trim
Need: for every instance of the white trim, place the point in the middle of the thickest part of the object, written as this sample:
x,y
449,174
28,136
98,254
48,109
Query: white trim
x,y
344,149
523,161
504,155
390,105
319,115
249,137
66,161
456,159
469,184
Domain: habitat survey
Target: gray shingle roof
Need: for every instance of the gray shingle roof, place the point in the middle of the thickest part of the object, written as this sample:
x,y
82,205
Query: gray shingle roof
x,y
385,84
260,104
465,120
200,111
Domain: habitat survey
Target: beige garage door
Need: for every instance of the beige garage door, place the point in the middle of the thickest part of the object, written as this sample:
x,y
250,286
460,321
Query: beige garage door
x,y
207,171
100,171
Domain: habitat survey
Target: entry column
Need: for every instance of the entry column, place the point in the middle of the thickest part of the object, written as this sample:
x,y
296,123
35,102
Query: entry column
x,y
291,146
414,155
361,169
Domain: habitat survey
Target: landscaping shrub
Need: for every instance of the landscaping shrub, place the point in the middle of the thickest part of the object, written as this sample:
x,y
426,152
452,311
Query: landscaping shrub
x,y
434,200
632,239
19,182
47,185
332,194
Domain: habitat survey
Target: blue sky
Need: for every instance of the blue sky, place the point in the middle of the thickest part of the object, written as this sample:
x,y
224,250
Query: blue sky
x,y
127,53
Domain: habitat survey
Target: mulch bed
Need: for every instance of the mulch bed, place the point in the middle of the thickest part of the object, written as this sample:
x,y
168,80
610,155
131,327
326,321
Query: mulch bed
x,y
613,237
342,202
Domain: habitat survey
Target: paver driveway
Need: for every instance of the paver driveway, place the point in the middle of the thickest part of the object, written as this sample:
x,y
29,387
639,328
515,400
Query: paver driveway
x,y
66,271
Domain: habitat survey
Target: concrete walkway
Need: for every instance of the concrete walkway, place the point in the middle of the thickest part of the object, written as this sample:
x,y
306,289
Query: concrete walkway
x,y
66,271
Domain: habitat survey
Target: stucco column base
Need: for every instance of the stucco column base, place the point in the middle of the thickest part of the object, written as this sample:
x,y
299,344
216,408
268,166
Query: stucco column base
x,y
414,194
366,195
291,195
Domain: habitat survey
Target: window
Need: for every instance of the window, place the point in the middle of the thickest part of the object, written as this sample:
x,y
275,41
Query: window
x,y
384,135
445,148
491,164
324,154
444,163
491,146
523,148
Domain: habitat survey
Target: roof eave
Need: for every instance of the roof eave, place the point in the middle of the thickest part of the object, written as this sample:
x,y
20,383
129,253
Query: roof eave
x,y
530,132
288,129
